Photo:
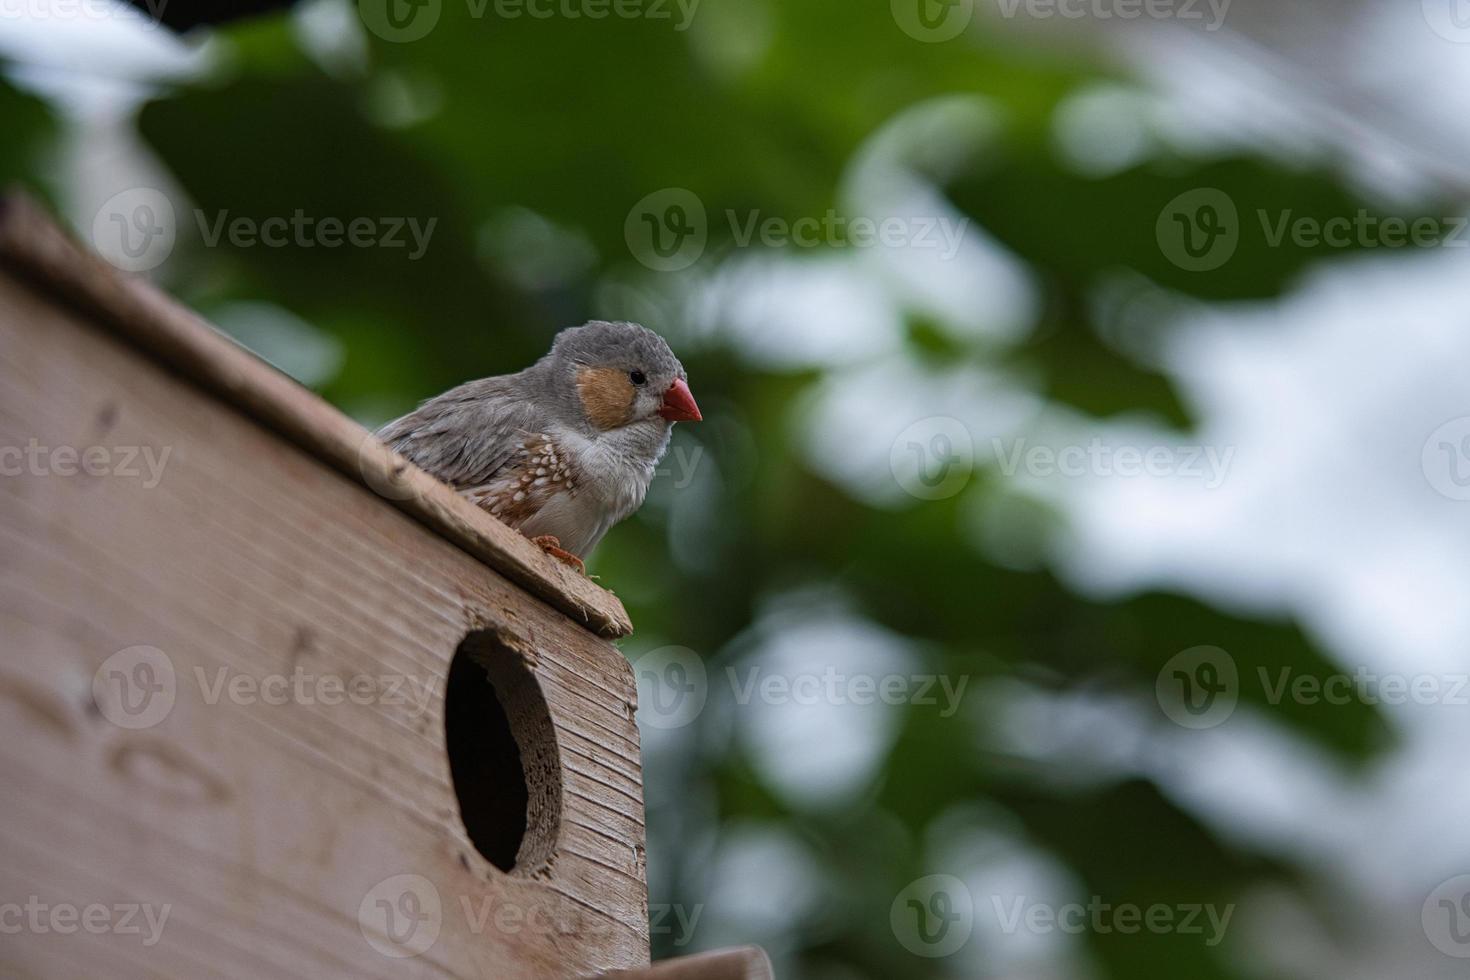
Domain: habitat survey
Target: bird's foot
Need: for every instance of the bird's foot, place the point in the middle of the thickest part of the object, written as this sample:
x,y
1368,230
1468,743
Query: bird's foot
x,y
549,544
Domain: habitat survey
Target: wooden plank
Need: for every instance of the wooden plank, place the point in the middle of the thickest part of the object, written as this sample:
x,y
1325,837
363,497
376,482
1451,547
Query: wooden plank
x,y
35,249
269,830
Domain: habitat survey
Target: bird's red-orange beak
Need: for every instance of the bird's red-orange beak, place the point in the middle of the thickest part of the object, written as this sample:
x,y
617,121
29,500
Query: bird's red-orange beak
x,y
679,404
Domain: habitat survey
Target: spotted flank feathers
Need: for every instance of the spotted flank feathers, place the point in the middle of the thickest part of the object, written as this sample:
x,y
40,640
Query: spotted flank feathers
x,y
519,490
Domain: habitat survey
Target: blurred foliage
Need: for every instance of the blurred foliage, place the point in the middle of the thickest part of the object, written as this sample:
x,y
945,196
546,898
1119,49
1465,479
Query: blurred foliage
x,y
30,131
765,106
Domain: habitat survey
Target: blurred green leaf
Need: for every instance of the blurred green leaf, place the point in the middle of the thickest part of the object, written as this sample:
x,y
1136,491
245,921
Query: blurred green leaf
x,y
30,129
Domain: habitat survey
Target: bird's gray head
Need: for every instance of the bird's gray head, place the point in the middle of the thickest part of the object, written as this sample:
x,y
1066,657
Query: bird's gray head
x,y
610,375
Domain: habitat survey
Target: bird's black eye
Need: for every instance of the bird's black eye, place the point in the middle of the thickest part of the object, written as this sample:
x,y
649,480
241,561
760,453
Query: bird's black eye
x,y
638,378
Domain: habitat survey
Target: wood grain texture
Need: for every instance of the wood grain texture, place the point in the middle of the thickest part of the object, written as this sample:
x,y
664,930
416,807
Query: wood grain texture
x,y
35,249
269,829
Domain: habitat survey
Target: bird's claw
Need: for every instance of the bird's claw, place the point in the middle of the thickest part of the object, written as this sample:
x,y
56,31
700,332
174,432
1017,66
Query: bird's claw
x,y
552,546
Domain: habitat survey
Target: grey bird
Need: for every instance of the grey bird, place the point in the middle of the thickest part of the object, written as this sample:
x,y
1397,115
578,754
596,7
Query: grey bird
x,y
564,449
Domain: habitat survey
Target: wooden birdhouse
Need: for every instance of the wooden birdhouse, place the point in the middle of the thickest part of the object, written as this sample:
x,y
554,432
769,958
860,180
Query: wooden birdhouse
x,y
274,703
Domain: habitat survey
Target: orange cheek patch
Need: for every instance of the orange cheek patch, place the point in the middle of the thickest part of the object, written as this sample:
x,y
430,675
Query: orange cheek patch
x,y
607,396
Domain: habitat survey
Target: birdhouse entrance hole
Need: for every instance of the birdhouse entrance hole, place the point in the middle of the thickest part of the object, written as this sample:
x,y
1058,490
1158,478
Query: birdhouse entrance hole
x,y
502,755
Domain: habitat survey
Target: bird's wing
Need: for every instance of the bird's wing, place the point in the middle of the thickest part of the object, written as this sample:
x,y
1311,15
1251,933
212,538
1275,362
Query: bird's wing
x,y
467,434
